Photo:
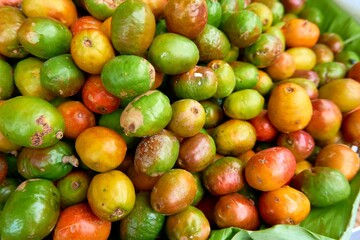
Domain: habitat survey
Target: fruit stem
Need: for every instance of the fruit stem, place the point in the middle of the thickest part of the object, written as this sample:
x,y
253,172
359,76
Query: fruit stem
x,y
71,159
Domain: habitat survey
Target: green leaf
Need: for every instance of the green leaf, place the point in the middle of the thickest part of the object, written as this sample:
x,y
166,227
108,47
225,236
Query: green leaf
x,y
339,21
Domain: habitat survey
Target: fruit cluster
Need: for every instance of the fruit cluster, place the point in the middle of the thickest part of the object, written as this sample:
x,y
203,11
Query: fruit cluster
x,y
152,119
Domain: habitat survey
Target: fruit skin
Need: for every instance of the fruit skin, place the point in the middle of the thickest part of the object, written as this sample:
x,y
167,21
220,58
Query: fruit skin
x,y
101,10
300,33
111,195
34,206
127,76
270,169
51,163
188,224
350,128
289,107
172,54
324,186
173,192
236,210
132,27
285,205
34,36
146,114
11,20
7,85
143,222
79,222
7,187
31,122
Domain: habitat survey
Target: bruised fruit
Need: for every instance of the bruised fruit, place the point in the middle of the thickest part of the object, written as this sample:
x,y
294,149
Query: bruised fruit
x,y
146,115
31,122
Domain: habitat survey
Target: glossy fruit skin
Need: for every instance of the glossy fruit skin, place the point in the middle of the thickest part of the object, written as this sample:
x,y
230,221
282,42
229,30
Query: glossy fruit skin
x,y
270,48
79,222
289,107
243,28
300,143
224,176
111,195
236,210
265,131
7,187
347,98
61,76
285,205
146,114
105,154
354,72
308,74
341,157
131,70
309,86
132,27
270,169
301,33
91,49
305,58
318,185
51,163
143,222
212,43
43,125
214,113
31,199
172,53
246,75
323,53
234,137
27,78
350,127
101,10
73,187
7,80
225,78
243,104
190,223
214,12
85,22
189,23
77,118
11,20
35,38
282,68
196,152
199,83
96,98
326,119
173,192
61,10
141,181
157,154
330,71
333,40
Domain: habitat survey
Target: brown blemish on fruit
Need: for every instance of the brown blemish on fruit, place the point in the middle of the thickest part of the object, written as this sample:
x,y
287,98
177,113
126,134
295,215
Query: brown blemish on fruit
x,y
75,185
117,213
22,186
289,89
37,138
131,120
87,43
110,3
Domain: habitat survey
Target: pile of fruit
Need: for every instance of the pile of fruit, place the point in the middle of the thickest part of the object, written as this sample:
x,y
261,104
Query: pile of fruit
x,y
176,119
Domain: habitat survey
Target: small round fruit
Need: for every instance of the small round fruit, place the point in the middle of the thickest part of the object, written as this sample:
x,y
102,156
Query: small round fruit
x,y
270,169
104,154
111,195
350,127
299,32
79,222
236,210
304,57
285,205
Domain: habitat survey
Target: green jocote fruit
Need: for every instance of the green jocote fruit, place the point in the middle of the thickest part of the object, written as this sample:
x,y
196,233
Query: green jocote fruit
x,y
31,211
52,163
31,122
7,84
146,115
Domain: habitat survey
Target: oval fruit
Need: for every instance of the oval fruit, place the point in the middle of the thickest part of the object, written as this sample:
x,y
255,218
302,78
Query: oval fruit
x,y
132,27
289,107
7,80
111,195
285,205
79,222
173,192
41,124
34,206
172,53
146,115
270,169
318,185
127,76
34,36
